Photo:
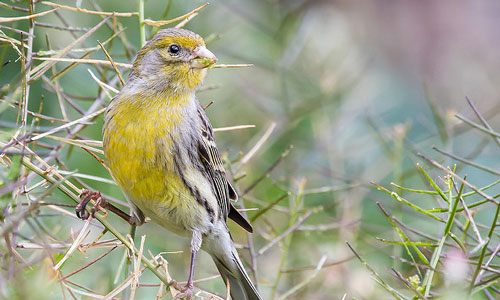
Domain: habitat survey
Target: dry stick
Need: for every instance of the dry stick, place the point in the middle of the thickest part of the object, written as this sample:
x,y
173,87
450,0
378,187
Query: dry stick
x,y
14,141
377,277
270,169
483,251
13,7
83,60
185,21
103,85
65,28
84,144
13,19
482,119
330,189
28,64
112,63
76,243
98,102
17,30
222,66
81,286
439,166
88,264
77,121
153,268
326,265
477,126
88,51
259,143
124,65
329,226
286,233
469,216
49,170
43,67
113,26
486,266
230,128
465,161
90,12
90,295
54,89
128,281
267,208
57,88
163,23
44,117
137,263
305,281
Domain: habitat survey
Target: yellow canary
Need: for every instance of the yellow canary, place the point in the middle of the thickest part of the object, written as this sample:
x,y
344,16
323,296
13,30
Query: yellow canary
x,y
160,148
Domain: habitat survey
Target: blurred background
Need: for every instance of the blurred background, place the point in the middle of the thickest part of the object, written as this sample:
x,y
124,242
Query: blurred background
x,y
345,92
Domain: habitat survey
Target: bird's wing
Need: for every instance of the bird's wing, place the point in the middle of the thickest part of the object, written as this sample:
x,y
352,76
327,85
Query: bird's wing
x,y
212,163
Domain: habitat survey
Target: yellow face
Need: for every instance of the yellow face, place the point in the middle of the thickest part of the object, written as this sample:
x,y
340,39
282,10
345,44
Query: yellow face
x,y
174,59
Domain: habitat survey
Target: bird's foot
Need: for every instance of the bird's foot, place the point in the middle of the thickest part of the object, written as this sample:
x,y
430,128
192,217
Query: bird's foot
x,y
186,291
86,196
103,205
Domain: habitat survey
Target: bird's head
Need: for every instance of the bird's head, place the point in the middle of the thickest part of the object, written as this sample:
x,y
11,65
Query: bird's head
x,y
174,60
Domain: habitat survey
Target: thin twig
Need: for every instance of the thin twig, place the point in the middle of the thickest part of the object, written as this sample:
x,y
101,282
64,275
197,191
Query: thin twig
x,y
67,125
163,23
259,143
231,128
224,66
13,19
88,264
90,12
83,61
112,63
306,281
482,119
76,243
286,233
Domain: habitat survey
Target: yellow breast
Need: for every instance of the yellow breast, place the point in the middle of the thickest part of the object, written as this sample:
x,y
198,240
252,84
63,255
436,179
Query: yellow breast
x,y
138,143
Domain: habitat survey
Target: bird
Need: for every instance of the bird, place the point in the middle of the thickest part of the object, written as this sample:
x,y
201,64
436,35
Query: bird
x,y
160,148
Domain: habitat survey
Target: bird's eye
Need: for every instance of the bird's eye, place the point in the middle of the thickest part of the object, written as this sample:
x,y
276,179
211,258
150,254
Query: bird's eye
x,y
173,49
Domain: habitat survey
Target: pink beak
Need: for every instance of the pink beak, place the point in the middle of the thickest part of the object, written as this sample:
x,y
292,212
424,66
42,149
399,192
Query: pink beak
x,y
203,58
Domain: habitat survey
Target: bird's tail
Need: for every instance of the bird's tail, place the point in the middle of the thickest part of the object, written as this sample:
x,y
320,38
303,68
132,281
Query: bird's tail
x,y
240,285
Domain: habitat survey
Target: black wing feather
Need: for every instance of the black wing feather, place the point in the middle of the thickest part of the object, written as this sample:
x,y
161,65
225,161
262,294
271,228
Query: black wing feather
x,y
214,167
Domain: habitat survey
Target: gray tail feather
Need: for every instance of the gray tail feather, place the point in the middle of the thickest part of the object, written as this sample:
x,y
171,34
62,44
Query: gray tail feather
x,y
241,287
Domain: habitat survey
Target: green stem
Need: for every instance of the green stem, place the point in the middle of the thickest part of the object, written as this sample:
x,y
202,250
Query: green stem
x,y
453,203
287,241
483,251
142,28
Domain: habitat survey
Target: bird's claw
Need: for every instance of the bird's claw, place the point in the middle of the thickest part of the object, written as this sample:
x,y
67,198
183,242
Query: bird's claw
x,y
86,196
186,291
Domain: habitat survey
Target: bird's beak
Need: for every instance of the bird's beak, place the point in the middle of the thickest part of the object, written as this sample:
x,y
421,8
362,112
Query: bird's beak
x,y
203,58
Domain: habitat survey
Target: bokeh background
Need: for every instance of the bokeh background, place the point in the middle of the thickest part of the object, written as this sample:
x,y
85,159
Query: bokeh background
x,y
358,88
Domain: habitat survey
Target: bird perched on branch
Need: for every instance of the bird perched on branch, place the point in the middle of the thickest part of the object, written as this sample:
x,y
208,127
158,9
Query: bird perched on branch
x,y
160,148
